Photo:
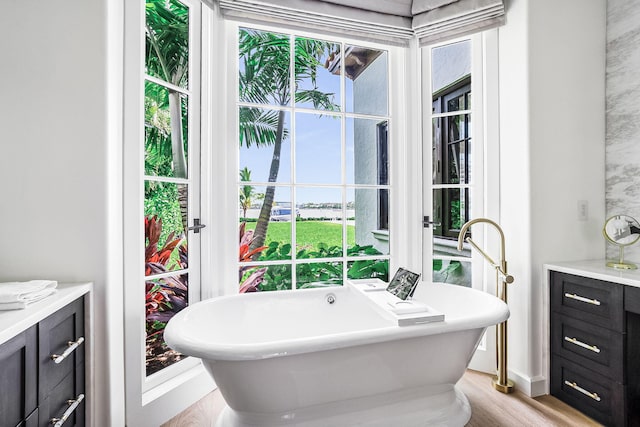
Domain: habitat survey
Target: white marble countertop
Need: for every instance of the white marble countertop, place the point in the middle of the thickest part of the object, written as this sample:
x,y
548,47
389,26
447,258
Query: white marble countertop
x,y
12,322
596,269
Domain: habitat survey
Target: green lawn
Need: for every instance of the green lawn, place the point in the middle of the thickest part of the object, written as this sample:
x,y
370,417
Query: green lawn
x,y
308,233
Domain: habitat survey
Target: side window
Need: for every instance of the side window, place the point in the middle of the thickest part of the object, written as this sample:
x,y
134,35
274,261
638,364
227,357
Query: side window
x,y
454,180
167,178
313,178
451,156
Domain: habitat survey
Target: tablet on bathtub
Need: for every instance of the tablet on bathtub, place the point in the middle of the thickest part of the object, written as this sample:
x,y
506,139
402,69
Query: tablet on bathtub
x,y
403,284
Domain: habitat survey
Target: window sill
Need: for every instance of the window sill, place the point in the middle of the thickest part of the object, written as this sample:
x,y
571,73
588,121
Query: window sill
x,y
382,235
450,247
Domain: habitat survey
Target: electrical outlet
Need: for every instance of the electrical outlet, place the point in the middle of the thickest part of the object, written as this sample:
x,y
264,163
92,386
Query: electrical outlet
x,y
583,210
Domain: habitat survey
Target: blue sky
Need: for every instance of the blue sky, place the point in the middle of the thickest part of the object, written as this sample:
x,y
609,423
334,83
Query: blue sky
x,y
318,148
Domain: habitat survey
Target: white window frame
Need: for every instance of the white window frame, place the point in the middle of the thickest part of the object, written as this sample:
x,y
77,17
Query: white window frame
x,y
228,178
485,181
484,185
155,399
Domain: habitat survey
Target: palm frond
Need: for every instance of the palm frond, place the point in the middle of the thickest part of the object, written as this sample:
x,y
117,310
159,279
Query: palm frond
x,y
258,126
320,100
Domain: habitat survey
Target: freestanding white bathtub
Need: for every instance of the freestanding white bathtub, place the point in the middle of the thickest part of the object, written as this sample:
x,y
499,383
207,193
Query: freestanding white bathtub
x,y
290,358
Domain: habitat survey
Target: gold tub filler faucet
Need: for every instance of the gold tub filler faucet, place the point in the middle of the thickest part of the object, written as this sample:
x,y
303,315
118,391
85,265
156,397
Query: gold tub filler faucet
x,y
500,382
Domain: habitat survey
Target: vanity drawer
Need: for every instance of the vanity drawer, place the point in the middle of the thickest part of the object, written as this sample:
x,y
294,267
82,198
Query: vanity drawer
x,y
66,400
18,378
592,347
61,334
595,395
591,300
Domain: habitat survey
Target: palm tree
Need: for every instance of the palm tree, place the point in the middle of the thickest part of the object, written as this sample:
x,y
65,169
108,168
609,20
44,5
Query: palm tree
x,y
265,79
167,51
247,192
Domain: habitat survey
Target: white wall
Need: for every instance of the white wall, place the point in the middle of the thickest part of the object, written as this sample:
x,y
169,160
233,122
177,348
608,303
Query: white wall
x,y
55,218
552,59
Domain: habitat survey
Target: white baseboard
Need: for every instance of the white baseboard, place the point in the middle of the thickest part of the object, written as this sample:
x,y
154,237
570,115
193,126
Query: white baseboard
x,y
532,387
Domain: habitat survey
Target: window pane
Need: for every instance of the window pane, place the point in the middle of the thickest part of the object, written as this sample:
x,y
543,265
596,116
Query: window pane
x,y
318,274
264,67
167,41
453,272
318,149
166,135
367,152
369,239
319,232
450,64
368,269
265,147
317,74
276,243
265,278
451,207
163,299
452,150
456,101
366,80
165,211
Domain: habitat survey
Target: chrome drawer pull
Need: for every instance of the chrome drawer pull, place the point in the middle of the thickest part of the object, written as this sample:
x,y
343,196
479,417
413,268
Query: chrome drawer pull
x,y
593,348
71,346
73,404
582,299
575,386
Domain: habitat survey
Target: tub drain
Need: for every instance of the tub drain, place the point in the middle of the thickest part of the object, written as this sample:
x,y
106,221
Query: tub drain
x,y
331,298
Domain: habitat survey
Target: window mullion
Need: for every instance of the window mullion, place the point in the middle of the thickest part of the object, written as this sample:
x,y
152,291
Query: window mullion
x,y
451,113
293,178
168,85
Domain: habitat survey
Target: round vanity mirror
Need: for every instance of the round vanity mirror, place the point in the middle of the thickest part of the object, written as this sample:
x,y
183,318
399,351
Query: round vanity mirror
x,y
621,230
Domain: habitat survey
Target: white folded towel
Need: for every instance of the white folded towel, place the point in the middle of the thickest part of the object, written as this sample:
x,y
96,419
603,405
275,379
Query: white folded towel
x,y
26,292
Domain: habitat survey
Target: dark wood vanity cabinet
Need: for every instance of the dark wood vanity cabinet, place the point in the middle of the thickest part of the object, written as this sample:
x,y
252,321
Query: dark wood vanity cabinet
x,y
62,378
632,356
594,363
42,372
19,380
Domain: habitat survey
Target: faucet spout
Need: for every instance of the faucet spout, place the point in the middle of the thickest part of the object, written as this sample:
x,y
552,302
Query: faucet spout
x,y
500,268
468,224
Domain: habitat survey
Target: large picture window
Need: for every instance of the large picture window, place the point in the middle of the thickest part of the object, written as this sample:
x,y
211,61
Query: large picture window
x,y
313,179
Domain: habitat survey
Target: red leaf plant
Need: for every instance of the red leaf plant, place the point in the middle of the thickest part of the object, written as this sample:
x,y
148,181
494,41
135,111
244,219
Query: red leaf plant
x,y
156,259
251,283
170,293
163,297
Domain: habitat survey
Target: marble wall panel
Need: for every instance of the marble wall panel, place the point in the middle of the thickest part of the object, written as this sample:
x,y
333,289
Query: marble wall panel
x,y
623,114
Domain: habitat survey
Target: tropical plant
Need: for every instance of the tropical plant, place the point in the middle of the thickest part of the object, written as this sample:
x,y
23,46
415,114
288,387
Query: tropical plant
x,y
265,79
278,276
449,272
163,297
249,277
247,192
167,58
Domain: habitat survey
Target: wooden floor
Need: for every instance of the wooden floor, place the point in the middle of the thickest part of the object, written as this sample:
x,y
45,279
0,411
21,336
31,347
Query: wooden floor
x,y
489,408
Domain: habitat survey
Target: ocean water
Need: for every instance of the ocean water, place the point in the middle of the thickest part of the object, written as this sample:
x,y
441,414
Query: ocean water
x,y
311,213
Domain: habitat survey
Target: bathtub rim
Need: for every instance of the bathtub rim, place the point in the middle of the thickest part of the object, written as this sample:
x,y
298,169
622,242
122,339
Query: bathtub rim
x,y
183,338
